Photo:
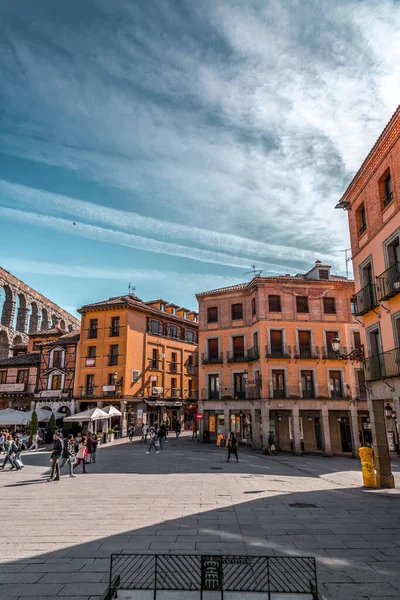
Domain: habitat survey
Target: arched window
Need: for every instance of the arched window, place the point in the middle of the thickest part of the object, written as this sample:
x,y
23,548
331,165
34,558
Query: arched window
x,y
69,327
54,321
6,305
45,320
33,318
20,314
4,345
62,324
17,340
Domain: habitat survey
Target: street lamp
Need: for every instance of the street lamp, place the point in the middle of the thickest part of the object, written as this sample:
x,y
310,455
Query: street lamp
x,y
309,418
388,411
357,354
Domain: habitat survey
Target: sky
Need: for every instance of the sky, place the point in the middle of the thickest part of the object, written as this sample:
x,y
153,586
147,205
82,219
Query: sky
x,y
173,144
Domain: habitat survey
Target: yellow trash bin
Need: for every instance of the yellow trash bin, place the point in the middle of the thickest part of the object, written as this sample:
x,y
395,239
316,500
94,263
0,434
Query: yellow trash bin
x,y
367,466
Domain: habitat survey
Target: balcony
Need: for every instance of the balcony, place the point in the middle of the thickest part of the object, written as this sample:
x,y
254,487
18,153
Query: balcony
x,y
330,354
191,369
191,394
228,393
98,391
383,365
155,364
253,353
282,351
364,300
173,367
92,333
212,358
113,360
176,393
388,283
114,331
306,351
236,356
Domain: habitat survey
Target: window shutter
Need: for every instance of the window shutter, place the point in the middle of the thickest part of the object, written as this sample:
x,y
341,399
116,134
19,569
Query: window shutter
x,y
302,304
329,306
274,303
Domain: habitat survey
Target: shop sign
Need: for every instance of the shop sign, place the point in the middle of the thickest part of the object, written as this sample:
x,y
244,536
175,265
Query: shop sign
x,y
12,387
139,416
211,423
108,388
199,416
90,362
50,394
144,418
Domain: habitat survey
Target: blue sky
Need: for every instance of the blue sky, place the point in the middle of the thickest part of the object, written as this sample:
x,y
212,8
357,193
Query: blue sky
x,y
186,140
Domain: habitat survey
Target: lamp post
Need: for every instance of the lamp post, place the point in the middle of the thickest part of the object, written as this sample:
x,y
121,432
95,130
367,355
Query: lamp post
x,y
356,355
388,411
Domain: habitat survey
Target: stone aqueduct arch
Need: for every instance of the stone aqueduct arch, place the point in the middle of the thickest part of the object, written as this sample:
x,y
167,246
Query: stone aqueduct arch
x,y
23,310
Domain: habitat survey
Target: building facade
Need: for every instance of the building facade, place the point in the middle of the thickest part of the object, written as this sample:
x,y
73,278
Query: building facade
x,y
23,310
372,200
141,356
267,363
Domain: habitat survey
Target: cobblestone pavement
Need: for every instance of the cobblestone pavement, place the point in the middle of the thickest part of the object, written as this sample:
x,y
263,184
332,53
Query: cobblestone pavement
x,y
57,537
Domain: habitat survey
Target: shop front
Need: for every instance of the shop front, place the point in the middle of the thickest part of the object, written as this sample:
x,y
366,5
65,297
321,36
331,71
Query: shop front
x,y
158,411
189,415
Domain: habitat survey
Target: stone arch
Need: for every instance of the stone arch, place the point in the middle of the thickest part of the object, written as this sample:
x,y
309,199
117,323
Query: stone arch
x,y
44,319
21,314
54,320
33,318
7,306
4,345
17,340
70,328
62,324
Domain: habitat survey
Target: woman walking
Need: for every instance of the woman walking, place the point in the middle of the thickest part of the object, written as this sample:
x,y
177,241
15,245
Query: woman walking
x,y
95,441
232,446
9,446
81,455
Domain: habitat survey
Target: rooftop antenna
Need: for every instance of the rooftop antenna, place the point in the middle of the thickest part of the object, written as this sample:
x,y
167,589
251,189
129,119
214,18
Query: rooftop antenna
x,y
347,259
131,288
255,272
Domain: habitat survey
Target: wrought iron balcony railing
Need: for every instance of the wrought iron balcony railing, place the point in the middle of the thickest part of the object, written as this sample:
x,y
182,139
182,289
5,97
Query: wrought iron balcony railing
x,y
212,358
253,353
305,351
330,354
191,369
365,300
275,351
383,365
388,282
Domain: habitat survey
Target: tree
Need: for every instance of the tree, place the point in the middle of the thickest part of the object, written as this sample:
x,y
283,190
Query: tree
x,y
51,428
67,427
34,424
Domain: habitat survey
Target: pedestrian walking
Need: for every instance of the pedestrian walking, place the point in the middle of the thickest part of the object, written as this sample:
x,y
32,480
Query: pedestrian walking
x,y
153,440
271,444
89,447
161,435
232,446
144,433
194,431
17,452
81,455
95,443
55,458
68,454
131,431
35,442
178,429
9,453
2,442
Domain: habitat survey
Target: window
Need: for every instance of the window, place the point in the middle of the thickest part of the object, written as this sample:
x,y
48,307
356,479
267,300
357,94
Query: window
x,y
361,219
113,356
89,385
239,386
3,377
357,340
305,344
23,376
173,385
393,251
213,387
361,389
91,352
329,306
212,314
388,191
278,384
276,337
114,330
255,339
329,335
302,304
335,384
190,336
237,312
173,331
36,345
323,273
274,303
307,384
253,306
156,327
112,380
174,362
238,346
213,349
154,359
57,359
56,382
93,328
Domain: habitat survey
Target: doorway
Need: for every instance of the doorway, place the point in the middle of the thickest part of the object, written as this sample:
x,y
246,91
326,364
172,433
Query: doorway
x,y
345,435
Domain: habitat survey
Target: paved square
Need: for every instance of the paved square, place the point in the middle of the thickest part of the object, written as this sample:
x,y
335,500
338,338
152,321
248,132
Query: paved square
x,y
57,537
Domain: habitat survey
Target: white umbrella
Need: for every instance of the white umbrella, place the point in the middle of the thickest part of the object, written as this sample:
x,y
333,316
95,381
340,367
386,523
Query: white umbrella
x,y
92,414
15,417
112,411
45,415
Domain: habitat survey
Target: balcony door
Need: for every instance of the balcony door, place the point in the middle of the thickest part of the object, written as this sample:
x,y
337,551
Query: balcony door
x,y
307,384
278,384
213,387
335,382
305,343
238,346
330,353
239,386
376,361
276,342
213,349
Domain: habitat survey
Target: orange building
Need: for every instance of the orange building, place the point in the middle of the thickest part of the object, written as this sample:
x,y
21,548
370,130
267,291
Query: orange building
x,y
372,200
267,363
140,355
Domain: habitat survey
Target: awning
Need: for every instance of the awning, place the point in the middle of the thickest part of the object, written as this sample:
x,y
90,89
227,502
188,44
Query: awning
x,y
112,411
9,416
92,414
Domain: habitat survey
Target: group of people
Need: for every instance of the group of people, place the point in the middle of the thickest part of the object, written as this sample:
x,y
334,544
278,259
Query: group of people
x,y
11,445
73,451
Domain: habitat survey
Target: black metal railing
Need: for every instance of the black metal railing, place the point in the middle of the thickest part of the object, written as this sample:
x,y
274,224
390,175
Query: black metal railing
x,y
208,358
155,364
92,333
173,367
275,351
383,365
253,353
306,351
191,394
388,282
191,369
364,300
176,393
96,391
236,356
113,360
114,331
330,354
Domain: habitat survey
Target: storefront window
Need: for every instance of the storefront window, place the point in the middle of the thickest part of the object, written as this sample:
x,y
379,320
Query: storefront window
x,y
221,424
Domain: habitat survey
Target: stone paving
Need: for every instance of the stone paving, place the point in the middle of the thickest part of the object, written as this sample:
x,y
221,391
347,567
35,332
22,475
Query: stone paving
x,y
57,537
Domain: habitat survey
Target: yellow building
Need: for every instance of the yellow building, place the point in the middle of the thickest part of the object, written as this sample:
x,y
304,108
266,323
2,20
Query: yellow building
x,y
141,356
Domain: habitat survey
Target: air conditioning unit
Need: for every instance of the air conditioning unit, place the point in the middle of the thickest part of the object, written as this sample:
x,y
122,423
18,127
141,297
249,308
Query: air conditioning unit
x,y
162,355
157,391
135,375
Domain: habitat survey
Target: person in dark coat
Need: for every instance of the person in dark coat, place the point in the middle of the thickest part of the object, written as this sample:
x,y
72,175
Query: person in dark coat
x,y
232,446
68,454
55,458
89,448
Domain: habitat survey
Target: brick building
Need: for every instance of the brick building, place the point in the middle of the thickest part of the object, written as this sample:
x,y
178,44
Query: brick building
x,y
267,363
372,200
142,356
